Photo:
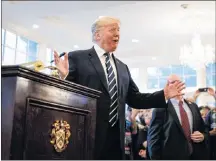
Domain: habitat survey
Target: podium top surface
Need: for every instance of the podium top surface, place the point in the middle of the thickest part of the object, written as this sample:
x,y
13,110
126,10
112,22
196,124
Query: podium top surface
x,y
20,71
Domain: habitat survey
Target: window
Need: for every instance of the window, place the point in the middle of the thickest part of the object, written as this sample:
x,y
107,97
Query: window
x,y
164,71
17,49
214,68
10,39
3,36
31,58
190,81
189,71
177,69
9,56
211,80
153,71
210,69
211,74
2,50
162,82
49,56
157,76
189,76
152,83
20,58
32,49
22,44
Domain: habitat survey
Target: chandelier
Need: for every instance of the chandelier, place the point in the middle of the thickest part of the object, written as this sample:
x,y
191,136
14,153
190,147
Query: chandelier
x,y
197,55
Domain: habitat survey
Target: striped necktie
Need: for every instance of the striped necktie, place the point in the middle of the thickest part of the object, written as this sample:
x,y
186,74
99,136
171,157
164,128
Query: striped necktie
x,y
112,87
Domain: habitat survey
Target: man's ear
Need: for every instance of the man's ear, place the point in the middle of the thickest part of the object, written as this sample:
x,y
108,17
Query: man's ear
x,y
98,35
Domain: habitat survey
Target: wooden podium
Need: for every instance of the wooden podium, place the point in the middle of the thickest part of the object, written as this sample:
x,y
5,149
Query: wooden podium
x,y
46,118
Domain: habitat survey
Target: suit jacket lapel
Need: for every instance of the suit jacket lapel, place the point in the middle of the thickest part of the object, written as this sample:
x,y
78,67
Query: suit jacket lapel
x,y
93,57
175,116
193,113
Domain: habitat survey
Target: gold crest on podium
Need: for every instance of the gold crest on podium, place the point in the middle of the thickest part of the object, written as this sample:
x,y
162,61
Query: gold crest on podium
x,y
60,135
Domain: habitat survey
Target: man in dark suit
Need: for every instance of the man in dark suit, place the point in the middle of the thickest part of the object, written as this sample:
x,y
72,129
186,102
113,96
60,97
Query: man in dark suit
x,y
99,69
178,131
212,133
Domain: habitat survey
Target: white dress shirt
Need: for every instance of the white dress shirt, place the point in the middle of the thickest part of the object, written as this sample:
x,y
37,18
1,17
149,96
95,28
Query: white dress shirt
x,y
175,104
100,52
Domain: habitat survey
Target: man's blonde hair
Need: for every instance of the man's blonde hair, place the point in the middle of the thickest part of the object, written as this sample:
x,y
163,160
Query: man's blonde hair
x,y
101,22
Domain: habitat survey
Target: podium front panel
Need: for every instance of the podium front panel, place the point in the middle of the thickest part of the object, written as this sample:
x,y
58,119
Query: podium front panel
x,y
40,118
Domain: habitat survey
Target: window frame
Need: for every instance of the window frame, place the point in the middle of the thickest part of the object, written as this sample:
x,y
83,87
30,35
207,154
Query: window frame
x,y
4,45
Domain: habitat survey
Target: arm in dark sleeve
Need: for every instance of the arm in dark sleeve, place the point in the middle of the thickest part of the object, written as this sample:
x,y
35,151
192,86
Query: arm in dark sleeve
x,y
72,75
133,144
206,136
155,132
204,129
144,100
203,125
208,120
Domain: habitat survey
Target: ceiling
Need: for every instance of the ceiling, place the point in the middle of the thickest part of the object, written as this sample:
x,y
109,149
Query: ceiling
x,y
161,27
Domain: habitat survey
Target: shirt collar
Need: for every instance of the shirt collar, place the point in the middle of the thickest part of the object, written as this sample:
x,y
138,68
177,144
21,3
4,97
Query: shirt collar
x,y
173,100
100,51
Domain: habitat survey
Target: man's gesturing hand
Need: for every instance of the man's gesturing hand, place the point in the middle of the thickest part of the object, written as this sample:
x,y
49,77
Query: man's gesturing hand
x,y
62,64
173,89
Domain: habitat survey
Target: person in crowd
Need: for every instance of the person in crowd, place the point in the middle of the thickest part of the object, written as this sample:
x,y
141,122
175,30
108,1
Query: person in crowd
x,y
142,135
130,132
212,92
99,68
212,133
204,111
178,132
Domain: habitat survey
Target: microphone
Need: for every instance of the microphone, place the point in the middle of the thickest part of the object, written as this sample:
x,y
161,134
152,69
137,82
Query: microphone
x,y
61,55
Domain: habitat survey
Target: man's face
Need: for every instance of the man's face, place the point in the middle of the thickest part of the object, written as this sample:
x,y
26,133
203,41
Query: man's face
x,y
108,37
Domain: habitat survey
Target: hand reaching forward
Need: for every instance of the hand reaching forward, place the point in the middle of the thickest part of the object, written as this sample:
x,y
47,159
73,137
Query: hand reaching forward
x,y
211,92
174,89
62,65
212,132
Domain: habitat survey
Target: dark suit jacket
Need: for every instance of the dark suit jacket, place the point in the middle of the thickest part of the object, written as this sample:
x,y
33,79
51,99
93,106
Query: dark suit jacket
x,y
86,69
212,140
166,139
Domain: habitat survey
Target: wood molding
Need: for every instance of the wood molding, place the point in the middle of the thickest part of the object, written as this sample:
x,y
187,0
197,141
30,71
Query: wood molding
x,y
16,70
